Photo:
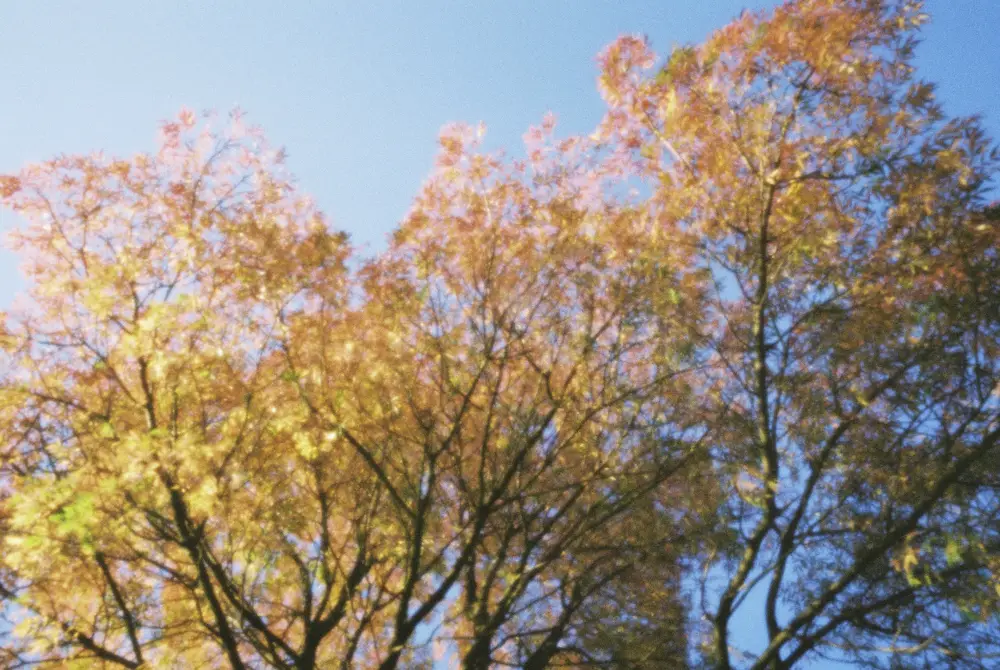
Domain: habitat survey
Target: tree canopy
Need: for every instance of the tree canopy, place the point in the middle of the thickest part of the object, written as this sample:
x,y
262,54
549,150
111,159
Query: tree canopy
x,y
730,360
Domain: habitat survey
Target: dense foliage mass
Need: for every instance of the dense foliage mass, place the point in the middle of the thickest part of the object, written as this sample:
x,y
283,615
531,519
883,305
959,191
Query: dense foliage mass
x,y
729,361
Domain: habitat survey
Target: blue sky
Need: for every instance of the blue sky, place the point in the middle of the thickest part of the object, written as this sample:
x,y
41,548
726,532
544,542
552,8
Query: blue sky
x,y
357,91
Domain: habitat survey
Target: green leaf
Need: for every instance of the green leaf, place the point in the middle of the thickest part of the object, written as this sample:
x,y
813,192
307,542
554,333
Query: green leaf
x,y
953,552
75,517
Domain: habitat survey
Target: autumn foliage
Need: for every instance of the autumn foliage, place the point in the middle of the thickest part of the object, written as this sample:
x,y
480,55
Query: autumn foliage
x,y
741,339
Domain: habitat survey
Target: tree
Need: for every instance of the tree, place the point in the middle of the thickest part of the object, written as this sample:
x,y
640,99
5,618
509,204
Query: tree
x,y
853,376
743,338
222,446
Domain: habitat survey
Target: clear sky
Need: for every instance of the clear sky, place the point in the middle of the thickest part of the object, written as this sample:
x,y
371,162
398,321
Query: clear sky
x,y
356,91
